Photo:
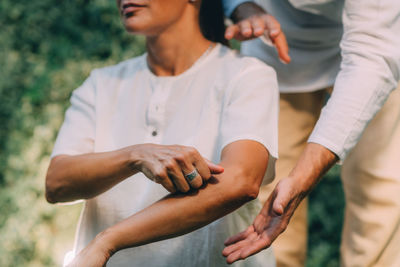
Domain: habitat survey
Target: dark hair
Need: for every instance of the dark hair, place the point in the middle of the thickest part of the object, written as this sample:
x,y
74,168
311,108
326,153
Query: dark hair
x,y
211,20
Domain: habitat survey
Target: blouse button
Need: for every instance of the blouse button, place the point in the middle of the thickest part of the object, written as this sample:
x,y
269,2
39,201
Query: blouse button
x,y
154,133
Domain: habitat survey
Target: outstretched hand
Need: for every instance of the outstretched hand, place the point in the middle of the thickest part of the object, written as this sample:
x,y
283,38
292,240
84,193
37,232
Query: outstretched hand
x,y
268,225
251,21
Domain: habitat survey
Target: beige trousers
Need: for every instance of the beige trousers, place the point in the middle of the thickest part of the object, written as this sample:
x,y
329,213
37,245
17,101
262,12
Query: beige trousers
x,y
371,180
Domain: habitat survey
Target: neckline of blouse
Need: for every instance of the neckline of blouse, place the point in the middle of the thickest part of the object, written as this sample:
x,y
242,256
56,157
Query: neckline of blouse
x,y
197,64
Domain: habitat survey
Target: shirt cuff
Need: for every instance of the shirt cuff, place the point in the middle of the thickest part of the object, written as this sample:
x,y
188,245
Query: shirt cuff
x,y
230,5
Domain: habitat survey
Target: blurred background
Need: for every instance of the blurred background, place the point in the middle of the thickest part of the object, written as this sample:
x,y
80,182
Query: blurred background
x,y
47,49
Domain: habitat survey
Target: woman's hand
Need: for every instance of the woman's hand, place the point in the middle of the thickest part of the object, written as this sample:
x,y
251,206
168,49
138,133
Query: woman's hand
x,y
251,21
96,254
177,168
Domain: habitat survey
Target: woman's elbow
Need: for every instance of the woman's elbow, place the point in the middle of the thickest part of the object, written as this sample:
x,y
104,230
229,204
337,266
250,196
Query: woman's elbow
x,y
250,191
52,190
54,187
246,187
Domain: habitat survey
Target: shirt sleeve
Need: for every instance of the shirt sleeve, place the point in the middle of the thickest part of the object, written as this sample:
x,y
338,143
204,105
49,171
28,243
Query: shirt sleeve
x,y
369,72
251,110
230,5
77,133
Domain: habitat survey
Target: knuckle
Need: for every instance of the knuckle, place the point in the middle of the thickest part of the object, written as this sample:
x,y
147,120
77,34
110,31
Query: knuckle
x,y
207,175
161,175
170,164
180,157
191,150
185,188
197,183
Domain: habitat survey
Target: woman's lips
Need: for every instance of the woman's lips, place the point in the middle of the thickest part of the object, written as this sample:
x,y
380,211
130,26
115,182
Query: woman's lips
x,y
130,8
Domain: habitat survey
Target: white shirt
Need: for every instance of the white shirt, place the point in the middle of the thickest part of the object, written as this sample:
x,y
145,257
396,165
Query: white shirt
x,y
222,98
353,45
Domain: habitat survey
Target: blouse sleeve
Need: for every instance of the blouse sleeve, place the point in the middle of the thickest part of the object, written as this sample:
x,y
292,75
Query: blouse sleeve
x,y
77,133
251,109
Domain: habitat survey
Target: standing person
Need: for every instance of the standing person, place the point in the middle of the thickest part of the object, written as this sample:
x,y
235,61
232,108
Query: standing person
x,y
146,121
353,46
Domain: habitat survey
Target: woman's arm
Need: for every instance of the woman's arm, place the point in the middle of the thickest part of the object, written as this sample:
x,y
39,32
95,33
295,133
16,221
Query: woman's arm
x,y
245,163
85,176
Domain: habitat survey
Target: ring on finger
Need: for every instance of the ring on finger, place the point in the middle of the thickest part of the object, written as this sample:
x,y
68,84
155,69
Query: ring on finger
x,y
190,176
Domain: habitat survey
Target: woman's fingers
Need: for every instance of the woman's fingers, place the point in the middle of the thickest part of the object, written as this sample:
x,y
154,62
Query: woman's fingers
x,y
179,168
201,165
163,178
214,168
176,176
188,169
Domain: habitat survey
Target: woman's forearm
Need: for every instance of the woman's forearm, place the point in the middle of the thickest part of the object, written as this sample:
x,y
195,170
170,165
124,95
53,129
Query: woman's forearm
x,y
245,163
179,214
84,176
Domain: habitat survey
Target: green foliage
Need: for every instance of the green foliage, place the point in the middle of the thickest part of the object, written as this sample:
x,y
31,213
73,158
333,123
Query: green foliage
x,y
326,204
47,48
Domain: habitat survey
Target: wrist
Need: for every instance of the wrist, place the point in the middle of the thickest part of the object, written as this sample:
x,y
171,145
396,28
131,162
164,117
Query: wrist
x,y
134,158
313,163
105,243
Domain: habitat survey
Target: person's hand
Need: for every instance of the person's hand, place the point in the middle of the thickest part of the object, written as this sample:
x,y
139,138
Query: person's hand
x,y
168,166
268,225
94,255
251,21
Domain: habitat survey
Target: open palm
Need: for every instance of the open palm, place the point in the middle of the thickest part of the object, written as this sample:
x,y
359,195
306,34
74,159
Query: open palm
x,y
268,225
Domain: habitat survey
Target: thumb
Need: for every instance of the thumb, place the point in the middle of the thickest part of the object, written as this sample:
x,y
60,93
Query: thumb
x,y
214,168
281,200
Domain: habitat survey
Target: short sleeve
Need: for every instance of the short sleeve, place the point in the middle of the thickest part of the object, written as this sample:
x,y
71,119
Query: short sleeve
x,y
77,133
251,109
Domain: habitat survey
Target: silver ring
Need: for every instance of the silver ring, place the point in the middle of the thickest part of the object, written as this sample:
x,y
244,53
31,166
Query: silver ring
x,y
190,176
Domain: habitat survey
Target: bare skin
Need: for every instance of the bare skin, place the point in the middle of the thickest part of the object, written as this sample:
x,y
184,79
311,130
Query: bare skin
x,y
274,217
251,21
244,162
174,42
71,178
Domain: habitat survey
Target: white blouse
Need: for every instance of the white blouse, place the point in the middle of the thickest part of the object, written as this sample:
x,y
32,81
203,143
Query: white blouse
x,y
222,98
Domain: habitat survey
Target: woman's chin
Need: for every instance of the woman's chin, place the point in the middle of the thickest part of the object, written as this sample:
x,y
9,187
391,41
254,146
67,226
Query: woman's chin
x,y
135,25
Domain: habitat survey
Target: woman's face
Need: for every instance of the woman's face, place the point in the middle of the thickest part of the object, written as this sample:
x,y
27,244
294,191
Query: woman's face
x,y
150,17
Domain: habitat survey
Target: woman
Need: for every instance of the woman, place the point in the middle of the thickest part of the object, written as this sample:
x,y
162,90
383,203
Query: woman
x,y
117,143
